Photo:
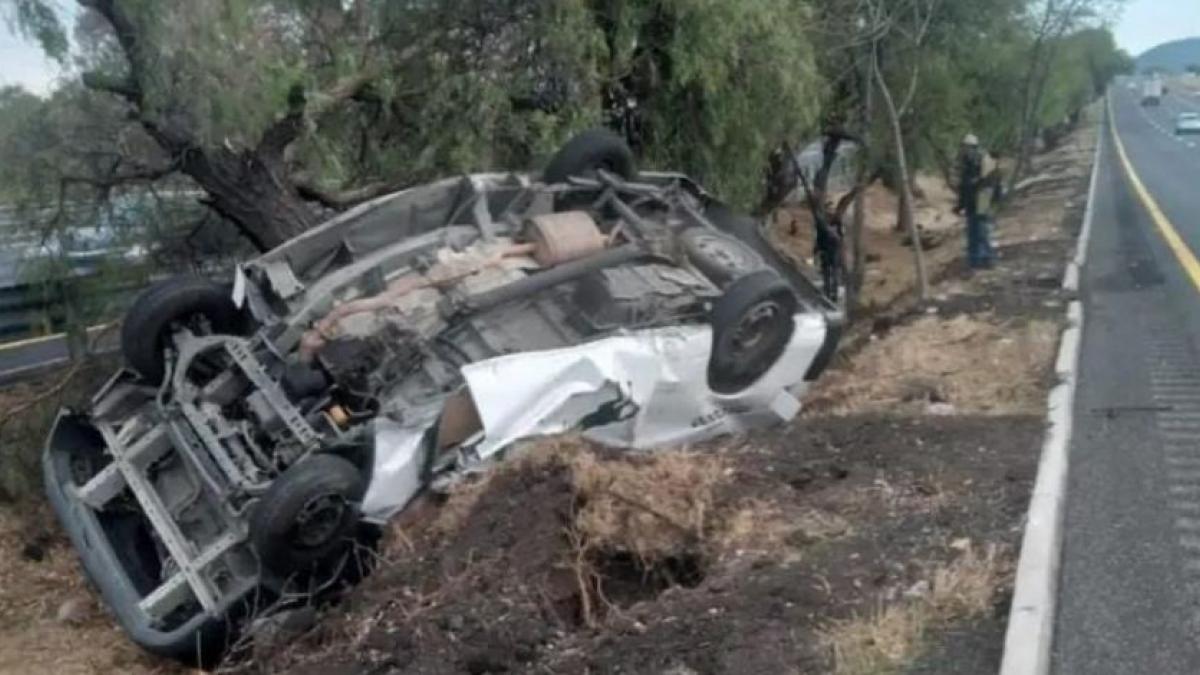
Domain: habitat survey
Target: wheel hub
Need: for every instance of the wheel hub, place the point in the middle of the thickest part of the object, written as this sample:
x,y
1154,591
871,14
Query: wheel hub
x,y
318,521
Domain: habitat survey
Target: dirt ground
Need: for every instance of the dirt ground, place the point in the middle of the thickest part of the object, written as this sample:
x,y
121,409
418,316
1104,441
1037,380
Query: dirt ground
x,y
876,534
890,272
50,622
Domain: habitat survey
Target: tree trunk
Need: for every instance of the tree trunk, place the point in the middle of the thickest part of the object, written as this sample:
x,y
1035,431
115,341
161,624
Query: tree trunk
x,y
858,261
249,187
252,193
907,220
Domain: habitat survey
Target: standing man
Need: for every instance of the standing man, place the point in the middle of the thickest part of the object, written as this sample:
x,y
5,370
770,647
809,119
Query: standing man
x,y
978,191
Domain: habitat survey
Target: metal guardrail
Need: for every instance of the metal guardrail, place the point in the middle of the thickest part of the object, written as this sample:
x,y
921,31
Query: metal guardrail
x,y
31,310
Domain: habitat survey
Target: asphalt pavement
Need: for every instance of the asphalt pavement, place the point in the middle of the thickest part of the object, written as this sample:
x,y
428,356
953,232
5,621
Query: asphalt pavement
x,y
22,359
1129,598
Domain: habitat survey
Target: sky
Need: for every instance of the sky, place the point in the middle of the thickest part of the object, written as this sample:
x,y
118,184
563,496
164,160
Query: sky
x,y
1143,24
1149,23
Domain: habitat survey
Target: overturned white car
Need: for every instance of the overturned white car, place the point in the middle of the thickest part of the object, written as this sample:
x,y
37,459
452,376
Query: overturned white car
x,y
257,428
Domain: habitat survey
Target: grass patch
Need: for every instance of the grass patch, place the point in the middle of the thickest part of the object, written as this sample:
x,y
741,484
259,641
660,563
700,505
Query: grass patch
x,y
887,640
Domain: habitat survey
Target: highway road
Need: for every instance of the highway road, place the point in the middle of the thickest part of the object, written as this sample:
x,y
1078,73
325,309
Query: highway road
x,y
22,359
1129,598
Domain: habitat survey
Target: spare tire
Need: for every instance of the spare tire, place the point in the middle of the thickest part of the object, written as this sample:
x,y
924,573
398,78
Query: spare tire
x,y
752,324
308,514
588,151
184,299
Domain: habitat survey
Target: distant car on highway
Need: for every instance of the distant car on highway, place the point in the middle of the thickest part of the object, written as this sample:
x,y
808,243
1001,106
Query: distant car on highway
x,y
1152,93
1187,123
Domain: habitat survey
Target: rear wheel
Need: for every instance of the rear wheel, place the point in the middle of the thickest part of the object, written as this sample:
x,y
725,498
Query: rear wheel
x,y
190,301
752,325
589,151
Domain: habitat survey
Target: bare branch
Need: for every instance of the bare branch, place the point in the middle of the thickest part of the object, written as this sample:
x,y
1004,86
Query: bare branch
x,y
341,199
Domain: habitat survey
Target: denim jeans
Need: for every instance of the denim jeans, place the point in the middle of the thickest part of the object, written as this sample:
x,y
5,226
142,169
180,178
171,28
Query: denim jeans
x,y
979,242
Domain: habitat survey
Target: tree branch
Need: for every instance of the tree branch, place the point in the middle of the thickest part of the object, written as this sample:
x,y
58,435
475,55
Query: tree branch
x,y
302,106
115,178
340,199
124,87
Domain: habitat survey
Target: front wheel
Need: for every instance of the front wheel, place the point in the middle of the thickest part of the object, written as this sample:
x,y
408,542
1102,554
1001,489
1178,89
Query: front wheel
x,y
752,324
308,515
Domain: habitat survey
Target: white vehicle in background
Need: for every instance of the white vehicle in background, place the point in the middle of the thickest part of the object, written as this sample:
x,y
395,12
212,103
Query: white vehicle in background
x,y
1152,92
1187,123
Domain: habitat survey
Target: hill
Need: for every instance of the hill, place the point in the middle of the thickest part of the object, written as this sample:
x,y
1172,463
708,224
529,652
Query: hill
x,y
1172,56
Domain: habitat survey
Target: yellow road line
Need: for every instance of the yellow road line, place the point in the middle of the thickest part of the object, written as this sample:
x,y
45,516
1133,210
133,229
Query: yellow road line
x,y
44,338
1181,250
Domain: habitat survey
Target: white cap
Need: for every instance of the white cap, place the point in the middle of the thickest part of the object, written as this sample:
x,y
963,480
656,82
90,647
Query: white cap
x,y
970,139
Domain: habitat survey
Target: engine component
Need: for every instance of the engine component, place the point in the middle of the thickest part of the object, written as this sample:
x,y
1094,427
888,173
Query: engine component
x,y
351,361
637,295
441,275
562,237
301,380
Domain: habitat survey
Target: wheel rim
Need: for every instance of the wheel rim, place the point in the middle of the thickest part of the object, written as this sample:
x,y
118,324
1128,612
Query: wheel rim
x,y
318,521
754,330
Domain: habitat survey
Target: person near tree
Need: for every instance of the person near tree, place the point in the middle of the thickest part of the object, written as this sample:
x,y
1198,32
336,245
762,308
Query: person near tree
x,y
979,190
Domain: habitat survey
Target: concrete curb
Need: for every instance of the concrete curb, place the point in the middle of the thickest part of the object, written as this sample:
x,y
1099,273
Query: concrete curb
x,y
1075,265
1030,635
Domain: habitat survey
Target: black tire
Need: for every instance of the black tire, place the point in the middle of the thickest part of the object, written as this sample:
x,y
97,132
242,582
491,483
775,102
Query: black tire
x,y
752,325
308,515
147,325
588,151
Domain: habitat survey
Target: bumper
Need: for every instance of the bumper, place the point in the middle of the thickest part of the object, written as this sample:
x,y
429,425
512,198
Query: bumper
x,y
112,549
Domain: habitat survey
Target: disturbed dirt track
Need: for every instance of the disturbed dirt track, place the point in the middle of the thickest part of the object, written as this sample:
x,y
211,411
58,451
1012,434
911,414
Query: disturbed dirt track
x,y
801,528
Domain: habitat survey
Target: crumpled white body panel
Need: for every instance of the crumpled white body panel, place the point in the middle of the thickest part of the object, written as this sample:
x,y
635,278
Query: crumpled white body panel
x,y
643,389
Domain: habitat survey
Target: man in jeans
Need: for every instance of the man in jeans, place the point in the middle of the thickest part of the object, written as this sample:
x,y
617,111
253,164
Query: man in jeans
x,y
978,191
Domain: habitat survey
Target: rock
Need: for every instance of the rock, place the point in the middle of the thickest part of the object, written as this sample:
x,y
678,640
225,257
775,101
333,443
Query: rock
x,y
270,632
941,409
33,552
74,611
917,590
962,545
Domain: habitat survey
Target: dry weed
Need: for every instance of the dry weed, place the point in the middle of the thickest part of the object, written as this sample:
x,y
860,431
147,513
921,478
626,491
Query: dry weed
x,y
654,507
888,639
764,527
979,366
